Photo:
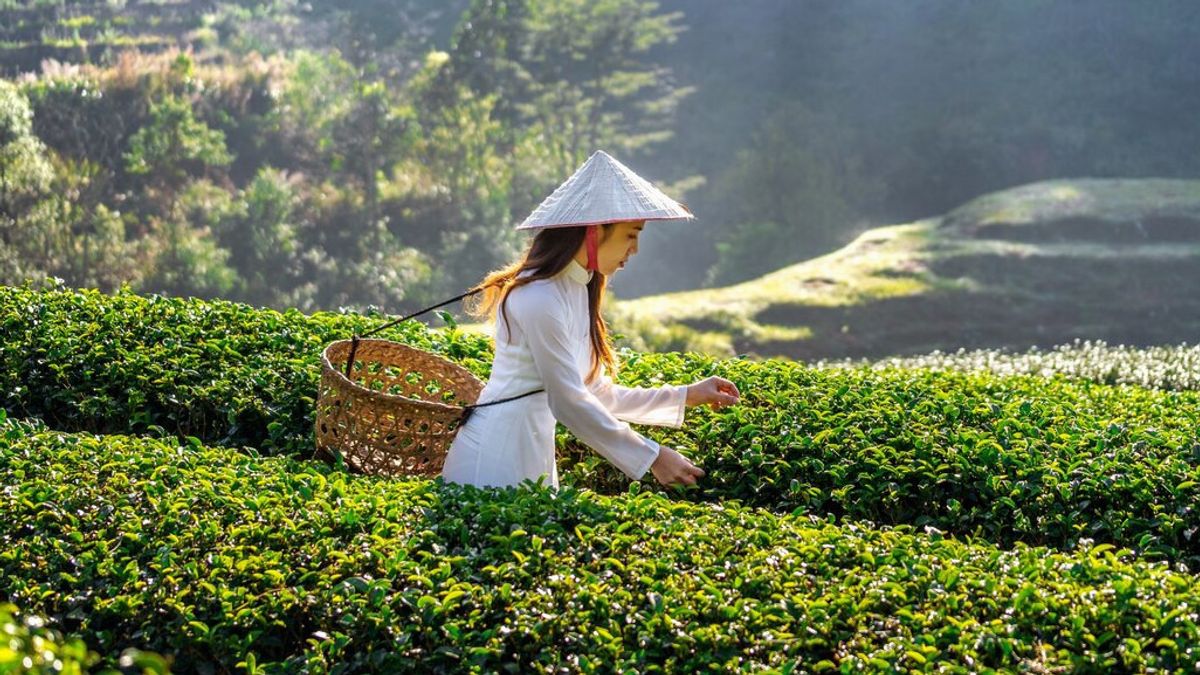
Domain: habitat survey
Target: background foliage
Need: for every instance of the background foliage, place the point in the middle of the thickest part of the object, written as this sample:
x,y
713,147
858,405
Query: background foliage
x,y
377,152
290,158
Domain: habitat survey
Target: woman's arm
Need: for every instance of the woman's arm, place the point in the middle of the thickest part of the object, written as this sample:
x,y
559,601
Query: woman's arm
x,y
660,406
543,321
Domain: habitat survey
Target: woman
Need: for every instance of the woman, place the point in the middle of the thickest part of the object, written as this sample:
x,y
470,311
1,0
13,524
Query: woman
x,y
551,339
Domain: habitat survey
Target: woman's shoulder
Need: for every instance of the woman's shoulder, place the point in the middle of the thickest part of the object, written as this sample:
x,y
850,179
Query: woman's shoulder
x,y
537,296
536,289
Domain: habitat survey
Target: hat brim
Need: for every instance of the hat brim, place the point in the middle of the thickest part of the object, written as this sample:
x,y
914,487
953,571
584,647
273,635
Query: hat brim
x,y
689,216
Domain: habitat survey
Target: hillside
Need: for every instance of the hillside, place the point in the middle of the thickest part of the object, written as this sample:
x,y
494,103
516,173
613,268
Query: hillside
x,y
1037,265
91,31
215,31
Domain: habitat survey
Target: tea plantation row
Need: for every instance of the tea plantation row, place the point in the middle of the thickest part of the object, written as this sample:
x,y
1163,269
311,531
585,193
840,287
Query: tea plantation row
x,y
1161,367
221,371
1039,460
273,564
1005,459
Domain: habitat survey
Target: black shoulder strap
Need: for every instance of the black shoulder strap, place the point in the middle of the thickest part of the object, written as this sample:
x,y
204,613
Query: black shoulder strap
x,y
354,339
467,409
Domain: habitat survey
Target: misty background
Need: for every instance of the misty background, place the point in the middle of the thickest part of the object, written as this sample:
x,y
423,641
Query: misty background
x,y
377,153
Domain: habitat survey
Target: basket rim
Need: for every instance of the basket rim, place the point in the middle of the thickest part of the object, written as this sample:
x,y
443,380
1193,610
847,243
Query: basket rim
x,y
345,382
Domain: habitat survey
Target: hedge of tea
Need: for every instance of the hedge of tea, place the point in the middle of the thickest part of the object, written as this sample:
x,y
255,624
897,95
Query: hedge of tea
x,y
224,372
1039,460
212,556
1044,461
233,375
1169,367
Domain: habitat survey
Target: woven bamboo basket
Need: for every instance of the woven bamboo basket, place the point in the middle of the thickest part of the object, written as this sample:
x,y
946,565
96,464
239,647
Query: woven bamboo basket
x,y
397,413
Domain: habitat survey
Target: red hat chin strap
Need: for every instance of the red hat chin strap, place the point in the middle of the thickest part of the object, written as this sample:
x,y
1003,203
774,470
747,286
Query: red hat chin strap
x,y
593,245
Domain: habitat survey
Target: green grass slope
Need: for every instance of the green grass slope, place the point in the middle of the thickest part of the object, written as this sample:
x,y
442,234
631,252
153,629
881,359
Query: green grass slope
x,y
1036,265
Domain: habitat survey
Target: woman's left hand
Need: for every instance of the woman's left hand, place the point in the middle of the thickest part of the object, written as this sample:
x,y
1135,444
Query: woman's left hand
x,y
715,391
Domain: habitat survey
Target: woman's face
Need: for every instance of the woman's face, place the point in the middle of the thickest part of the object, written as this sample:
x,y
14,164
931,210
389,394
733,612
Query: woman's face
x,y
620,245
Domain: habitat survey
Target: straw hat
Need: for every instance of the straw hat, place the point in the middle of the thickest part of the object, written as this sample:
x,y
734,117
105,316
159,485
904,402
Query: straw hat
x,y
604,190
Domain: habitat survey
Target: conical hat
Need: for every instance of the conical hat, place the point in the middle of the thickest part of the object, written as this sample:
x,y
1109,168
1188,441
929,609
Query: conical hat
x,y
604,190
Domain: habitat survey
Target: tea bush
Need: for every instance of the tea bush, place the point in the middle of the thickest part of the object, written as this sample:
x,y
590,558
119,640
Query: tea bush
x,y
1039,460
1168,367
270,564
224,372
1015,458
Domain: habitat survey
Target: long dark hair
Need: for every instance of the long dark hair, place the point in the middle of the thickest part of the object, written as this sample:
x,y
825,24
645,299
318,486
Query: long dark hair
x,y
550,251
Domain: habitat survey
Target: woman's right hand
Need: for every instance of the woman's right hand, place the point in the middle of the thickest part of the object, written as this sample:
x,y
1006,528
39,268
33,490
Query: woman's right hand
x,y
672,468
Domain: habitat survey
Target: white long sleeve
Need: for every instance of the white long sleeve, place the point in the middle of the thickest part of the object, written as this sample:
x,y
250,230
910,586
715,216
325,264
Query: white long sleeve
x,y
545,345
542,318
658,406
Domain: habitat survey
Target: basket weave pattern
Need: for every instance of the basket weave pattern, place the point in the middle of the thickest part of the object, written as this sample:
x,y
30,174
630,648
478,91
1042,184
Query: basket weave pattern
x,y
399,414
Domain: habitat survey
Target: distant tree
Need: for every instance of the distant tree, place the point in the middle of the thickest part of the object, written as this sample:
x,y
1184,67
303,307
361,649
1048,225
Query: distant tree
x,y
793,193
372,135
576,69
317,90
469,225
259,229
93,249
52,221
384,39
185,258
340,125
25,171
25,180
174,145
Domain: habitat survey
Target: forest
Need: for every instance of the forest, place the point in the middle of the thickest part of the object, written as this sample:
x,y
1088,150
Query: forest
x,y
377,153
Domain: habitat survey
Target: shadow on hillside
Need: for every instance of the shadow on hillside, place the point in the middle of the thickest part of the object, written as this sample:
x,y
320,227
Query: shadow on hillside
x,y
1022,302
1150,230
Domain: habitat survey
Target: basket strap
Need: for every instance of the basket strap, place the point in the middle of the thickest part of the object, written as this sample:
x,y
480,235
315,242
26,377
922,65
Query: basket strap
x,y
468,409
354,340
420,311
